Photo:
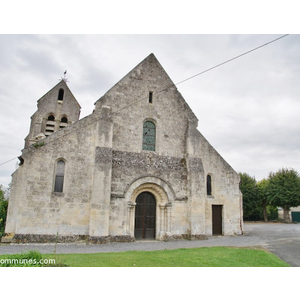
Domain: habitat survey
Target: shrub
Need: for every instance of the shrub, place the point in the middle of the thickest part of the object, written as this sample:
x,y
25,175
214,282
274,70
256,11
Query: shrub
x,y
3,214
26,259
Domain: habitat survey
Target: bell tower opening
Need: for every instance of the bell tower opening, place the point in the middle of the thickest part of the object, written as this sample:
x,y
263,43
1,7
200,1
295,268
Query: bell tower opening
x,y
60,94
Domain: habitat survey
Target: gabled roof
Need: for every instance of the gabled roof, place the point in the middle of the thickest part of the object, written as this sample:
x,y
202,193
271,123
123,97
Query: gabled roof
x,y
65,86
152,61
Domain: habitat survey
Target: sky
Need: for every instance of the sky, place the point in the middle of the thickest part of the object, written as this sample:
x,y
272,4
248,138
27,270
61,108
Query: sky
x,y
248,109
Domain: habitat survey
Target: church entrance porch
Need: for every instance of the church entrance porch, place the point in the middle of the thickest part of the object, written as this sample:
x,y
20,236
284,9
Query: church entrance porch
x,y
149,208
145,216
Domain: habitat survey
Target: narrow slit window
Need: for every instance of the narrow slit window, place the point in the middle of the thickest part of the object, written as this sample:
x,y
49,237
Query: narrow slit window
x,y
150,97
61,94
208,185
59,176
149,135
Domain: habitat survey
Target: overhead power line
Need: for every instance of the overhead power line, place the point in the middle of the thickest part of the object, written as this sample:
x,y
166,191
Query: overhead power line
x,y
8,161
231,59
189,78
205,71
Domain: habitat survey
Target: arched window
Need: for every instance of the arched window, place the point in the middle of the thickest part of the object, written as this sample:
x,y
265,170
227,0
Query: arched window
x,y
59,176
63,122
208,185
60,94
50,124
149,133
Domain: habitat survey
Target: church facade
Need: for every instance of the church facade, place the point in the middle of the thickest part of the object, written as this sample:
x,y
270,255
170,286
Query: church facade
x,y
136,168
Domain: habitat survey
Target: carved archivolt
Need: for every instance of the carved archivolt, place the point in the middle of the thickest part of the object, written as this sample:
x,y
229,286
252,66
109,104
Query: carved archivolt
x,y
161,190
160,195
163,205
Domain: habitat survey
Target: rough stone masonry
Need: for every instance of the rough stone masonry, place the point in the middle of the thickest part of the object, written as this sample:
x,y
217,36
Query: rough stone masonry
x,y
136,168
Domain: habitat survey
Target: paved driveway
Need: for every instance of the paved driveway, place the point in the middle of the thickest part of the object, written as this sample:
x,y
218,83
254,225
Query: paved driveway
x,y
281,239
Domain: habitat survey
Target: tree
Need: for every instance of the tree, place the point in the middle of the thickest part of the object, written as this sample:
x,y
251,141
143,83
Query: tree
x,y
284,190
263,197
251,205
3,210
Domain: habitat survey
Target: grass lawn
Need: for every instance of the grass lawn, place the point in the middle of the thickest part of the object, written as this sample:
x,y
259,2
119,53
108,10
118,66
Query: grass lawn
x,y
195,257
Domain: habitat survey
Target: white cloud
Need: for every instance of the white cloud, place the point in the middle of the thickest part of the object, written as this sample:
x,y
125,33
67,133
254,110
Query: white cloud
x,y
248,109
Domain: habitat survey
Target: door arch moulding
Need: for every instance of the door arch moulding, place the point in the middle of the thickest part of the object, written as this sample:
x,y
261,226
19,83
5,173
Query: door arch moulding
x,y
164,197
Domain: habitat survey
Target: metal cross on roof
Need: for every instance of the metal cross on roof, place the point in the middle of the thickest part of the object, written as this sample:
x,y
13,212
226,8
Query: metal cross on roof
x,y
65,77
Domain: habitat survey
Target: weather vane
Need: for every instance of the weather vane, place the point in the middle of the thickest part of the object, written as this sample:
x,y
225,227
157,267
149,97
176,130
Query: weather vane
x,y
65,77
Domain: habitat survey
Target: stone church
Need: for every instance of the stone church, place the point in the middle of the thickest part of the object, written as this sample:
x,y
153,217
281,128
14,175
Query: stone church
x,y
136,168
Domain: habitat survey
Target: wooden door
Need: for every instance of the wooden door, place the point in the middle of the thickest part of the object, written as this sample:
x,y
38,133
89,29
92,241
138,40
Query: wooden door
x,y
217,219
145,215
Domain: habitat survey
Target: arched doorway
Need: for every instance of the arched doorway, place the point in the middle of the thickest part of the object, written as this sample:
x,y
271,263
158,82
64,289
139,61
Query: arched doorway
x,y
145,216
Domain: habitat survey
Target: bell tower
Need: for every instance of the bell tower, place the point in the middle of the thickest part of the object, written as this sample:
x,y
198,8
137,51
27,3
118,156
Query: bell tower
x,y
57,109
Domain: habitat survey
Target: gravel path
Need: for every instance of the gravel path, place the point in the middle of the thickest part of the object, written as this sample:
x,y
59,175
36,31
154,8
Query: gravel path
x,y
281,239
239,241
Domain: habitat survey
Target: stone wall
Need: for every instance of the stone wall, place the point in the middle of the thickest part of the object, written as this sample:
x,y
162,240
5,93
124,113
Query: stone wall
x,y
106,169
225,186
34,206
50,105
130,107
128,166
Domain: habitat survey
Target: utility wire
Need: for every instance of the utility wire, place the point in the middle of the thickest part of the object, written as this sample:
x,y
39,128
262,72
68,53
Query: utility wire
x,y
8,161
205,71
229,60
189,78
